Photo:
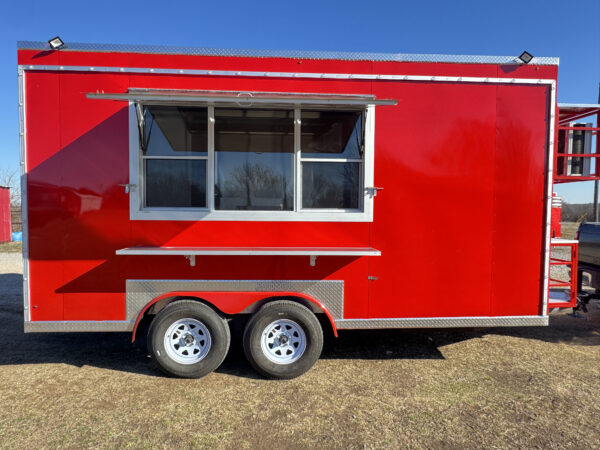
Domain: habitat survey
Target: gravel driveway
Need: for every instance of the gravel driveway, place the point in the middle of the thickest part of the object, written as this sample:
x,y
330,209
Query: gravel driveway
x,y
11,263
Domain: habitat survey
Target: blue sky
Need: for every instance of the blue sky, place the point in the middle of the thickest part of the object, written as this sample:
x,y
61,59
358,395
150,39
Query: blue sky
x,y
545,28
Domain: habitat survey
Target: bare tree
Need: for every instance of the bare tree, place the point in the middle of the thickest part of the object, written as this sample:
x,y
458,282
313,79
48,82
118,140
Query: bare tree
x,y
12,180
253,181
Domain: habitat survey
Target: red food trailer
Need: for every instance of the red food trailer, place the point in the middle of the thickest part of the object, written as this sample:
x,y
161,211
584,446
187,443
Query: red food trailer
x,y
180,187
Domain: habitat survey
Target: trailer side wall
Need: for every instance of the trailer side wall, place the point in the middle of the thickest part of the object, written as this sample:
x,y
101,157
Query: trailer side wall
x,y
460,222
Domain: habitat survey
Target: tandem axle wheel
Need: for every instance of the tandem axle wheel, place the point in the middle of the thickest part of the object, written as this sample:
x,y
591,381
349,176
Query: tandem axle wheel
x,y
189,339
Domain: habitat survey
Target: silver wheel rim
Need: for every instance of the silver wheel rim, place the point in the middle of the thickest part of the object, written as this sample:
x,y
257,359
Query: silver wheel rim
x,y
187,341
283,341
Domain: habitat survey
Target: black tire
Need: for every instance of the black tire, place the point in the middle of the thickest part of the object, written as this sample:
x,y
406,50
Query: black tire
x,y
266,316
216,325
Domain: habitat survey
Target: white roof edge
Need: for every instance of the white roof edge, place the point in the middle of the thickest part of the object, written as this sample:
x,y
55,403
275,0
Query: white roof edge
x,y
300,54
579,105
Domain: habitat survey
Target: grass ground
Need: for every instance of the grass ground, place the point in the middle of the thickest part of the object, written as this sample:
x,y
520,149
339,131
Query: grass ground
x,y
568,229
10,247
465,388
534,387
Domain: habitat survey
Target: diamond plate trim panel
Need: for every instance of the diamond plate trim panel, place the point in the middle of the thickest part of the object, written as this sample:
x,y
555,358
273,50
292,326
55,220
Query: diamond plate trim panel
x,y
140,292
298,54
77,326
444,322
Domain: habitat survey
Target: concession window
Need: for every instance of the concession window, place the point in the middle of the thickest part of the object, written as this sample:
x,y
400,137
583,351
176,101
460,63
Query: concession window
x,y
254,156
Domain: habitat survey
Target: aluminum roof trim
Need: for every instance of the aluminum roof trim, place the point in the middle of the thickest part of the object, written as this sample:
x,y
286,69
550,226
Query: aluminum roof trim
x,y
298,54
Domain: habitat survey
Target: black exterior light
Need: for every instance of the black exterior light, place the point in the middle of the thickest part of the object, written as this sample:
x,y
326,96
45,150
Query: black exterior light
x,y
525,57
56,43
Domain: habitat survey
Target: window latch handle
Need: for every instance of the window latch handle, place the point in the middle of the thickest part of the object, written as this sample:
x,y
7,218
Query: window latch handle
x,y
372,190
128,187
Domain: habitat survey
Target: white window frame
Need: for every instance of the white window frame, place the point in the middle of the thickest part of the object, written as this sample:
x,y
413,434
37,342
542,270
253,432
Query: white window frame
x,y
137,211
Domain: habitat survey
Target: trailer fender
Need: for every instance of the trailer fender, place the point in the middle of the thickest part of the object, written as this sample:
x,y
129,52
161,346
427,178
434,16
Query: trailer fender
x,y
232,303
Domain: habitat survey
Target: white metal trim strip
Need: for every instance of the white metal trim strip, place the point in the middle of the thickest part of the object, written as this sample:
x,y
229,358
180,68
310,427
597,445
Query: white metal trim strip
x,y
210,164
135,161
297,159
24,215
291,251
550,182
303,215
442,322
563,241
78,326
369,162
334,76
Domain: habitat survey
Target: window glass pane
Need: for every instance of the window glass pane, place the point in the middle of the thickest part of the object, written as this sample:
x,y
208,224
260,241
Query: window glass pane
x,y
254,159
176,182
331,134
254,130
330,185
175,131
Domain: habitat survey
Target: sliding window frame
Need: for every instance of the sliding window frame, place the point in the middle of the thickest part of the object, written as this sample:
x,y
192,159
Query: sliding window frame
x,y
138,211
361,161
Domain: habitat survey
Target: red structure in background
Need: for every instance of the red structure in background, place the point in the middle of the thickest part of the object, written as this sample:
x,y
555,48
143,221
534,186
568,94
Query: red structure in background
x,y
556,216
4,214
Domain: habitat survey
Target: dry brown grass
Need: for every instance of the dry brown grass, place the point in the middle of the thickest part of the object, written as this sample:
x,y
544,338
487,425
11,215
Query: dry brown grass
x,y
568,229
531,387
10,247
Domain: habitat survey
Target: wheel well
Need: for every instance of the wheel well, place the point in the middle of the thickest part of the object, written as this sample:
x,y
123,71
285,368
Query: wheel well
x,y
145,319
307,303
322,315
143,322
156,307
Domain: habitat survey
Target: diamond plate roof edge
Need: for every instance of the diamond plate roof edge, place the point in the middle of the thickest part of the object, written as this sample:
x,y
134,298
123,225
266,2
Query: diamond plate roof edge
x,y
302,54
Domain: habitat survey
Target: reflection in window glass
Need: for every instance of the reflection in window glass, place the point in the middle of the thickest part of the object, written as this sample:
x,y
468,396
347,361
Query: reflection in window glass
x,y
330,185
176,182
331,134
175,131
254,159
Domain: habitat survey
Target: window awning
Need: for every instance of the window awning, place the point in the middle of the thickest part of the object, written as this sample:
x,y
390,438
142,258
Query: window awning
x,y
239,98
